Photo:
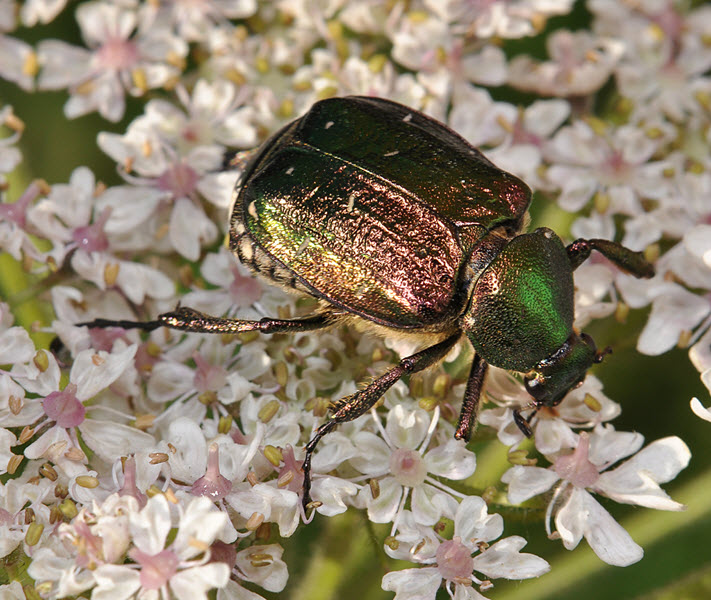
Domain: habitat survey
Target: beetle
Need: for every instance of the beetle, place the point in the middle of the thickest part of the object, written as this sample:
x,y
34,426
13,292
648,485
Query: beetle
x,y
388,216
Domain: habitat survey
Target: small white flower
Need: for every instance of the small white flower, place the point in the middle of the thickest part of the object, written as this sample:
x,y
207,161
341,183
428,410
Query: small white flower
x,y
403,465
581,64
124,55
586,470
452,560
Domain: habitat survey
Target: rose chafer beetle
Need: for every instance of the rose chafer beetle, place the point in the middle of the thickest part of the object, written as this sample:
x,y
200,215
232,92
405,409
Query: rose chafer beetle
x,y
386,215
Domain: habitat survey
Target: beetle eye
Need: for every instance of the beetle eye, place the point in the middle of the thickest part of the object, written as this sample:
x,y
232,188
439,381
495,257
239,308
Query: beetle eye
x,y
535,385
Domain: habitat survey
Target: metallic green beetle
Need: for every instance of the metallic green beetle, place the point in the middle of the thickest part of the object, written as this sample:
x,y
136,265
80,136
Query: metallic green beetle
x,y
385,214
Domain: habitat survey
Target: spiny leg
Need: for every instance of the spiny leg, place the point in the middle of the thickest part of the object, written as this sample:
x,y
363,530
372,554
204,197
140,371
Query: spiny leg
x,y
472,399
632,262
189,319
353,406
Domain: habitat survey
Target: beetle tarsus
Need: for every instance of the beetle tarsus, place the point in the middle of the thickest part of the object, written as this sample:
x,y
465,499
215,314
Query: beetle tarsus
x,y
524,423
122,323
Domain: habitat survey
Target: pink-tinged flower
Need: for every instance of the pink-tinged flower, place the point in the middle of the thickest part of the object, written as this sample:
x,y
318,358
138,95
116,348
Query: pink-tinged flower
x,y
497,18
65,410
588,159
236,289
666,56
123,55
456,561
406,468
587,470
195,21
85,228
580,64
176,155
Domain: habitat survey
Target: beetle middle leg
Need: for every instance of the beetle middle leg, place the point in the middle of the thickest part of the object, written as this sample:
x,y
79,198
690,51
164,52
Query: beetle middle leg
x,y
351,407
472,399
626,259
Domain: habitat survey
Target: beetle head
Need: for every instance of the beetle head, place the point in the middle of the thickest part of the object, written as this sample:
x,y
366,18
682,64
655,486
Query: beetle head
x,y
551,379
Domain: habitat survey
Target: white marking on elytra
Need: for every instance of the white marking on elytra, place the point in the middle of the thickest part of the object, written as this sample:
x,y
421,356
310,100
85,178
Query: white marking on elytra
x,y
407,118
393,153
252,210
351,202
329,125
290,170
239,228
245,249
303,245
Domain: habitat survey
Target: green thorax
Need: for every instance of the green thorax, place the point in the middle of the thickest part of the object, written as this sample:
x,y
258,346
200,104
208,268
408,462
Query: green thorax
x,y
521,308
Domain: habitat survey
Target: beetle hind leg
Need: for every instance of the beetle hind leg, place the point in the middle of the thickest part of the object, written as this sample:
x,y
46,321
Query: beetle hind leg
x,y
626,259
351,407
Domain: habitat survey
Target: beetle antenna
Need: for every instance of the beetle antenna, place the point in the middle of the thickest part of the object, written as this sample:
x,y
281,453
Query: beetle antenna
x,y
600,354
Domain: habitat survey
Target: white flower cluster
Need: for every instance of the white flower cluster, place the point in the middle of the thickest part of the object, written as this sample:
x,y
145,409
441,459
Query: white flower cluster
x,y
165,464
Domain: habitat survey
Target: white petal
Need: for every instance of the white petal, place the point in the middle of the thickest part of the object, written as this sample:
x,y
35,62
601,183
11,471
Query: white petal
x,y
15,346
202,521
271,577
609,446
407,428
189,228
472,521
331,491
413,584
137,281
115,582
543,117
526,482
373,454
234,591
109,439
636,481
151,526
672,313
194,583
384,507
699,410
451,460
94,371
169,380
583,515
503,559
189,457
429,504
130,205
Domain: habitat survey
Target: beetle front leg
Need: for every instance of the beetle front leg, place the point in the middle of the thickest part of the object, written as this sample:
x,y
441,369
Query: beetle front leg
x,y
351,407
189,319
524,423
472,399
632,262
